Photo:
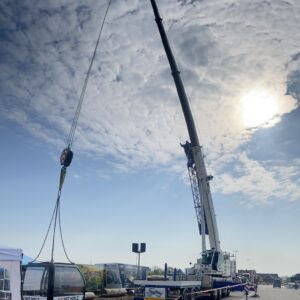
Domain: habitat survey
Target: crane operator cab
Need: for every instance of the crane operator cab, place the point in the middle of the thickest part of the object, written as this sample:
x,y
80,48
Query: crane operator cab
x,y
49,281
212,261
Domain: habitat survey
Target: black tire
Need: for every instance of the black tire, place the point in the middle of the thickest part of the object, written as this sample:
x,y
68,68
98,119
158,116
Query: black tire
x,y
184,294
223,293
213,296
194,295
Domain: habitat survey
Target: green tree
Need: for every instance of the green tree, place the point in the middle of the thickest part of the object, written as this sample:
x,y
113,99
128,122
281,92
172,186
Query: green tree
x,y
156,271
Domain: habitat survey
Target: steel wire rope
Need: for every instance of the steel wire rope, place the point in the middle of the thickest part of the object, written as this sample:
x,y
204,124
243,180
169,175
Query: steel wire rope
x,y
70,140
77,113
61,237
45,239
55,221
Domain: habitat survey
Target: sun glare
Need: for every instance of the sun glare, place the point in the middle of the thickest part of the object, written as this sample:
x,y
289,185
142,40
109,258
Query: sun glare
x,y
258,107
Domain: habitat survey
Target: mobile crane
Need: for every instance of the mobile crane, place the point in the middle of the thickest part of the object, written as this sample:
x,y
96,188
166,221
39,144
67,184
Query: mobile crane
x,y
208,276
212,259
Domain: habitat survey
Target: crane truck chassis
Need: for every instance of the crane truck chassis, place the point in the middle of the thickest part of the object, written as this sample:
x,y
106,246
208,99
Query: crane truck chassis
x,y
185,289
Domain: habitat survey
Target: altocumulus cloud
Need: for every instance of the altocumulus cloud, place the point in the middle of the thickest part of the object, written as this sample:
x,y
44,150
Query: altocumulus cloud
x,y
131,112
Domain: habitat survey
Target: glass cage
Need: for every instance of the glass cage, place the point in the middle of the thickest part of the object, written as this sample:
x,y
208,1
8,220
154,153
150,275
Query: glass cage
x,y
50,280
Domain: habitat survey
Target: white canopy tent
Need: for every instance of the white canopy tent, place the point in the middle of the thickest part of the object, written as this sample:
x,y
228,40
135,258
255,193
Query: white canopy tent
x,y
10,273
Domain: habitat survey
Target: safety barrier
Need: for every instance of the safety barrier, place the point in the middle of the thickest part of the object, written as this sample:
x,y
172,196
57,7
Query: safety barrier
x,y
198,293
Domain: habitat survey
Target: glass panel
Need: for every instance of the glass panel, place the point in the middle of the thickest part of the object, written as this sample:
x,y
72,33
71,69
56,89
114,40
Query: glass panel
x,y
36,281
68,281
6,274
6,285
5,293
112,276
5,296
207,257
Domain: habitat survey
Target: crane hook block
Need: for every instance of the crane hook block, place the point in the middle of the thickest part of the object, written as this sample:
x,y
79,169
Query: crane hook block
x,y
66,157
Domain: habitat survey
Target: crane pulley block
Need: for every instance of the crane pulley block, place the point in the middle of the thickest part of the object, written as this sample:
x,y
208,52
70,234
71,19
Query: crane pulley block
x,y
66,157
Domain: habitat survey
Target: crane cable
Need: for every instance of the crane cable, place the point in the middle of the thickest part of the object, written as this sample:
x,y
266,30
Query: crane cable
x,y
77,113
67,155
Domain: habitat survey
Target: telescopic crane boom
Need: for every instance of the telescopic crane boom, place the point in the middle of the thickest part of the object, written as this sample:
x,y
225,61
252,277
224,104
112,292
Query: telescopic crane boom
x,y
199,179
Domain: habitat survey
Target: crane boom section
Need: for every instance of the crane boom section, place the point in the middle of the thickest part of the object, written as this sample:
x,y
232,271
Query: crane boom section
x,y
205,195
177,79
201,173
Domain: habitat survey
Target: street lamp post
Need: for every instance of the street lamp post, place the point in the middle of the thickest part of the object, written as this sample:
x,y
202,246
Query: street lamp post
x,y
136,248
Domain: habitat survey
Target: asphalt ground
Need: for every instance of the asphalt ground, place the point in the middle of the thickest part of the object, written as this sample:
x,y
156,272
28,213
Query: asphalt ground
x,y
267,292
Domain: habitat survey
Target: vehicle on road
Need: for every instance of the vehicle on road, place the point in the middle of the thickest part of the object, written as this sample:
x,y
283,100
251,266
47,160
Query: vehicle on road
x,y
277,283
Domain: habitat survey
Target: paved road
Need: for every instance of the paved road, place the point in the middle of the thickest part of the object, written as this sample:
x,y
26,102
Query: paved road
x,y
265,293
270,293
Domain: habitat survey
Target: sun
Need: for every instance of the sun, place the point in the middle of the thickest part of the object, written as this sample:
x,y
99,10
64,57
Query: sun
x,y
258,107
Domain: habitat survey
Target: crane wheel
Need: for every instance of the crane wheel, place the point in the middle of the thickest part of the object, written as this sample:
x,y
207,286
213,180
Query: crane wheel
x,y
213,295
225,293
193,295
185,295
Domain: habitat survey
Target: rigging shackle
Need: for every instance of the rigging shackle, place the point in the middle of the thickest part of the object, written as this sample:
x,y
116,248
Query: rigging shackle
x,y
66,157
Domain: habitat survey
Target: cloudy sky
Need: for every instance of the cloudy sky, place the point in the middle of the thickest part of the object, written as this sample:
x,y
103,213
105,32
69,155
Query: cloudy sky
x,y
239,61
